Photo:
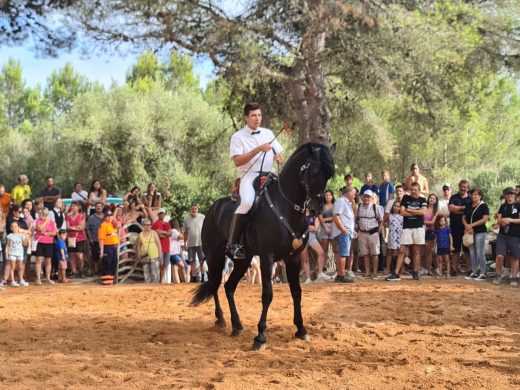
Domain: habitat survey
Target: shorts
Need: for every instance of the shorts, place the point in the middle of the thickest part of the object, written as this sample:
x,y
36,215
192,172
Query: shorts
x,y
508,245
443,251
323,235
175,259
457,234
312,239
44,250
165,258
368,244
63,264
195,250
79,248
343,241
429,235
414,236
16,257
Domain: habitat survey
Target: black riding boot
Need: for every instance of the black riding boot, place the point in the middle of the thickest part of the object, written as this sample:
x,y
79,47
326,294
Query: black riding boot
x,y
235,249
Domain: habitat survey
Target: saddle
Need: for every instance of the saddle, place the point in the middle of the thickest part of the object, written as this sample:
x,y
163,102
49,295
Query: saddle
x,y
260,184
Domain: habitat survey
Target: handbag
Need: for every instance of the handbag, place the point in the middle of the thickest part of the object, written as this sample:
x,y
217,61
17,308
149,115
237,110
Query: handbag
x,y
71,242
468,239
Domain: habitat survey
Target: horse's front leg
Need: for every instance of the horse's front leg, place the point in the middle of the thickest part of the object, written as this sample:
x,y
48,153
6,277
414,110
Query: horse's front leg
x,y
293,276
230,286
266,266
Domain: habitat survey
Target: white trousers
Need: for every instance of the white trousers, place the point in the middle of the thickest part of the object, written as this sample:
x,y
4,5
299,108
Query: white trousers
x,y
247,193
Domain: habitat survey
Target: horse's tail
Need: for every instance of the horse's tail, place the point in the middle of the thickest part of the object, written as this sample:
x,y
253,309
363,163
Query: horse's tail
x,y
207,289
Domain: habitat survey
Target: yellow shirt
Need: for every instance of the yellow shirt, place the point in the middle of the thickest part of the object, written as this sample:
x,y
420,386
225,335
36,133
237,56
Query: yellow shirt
x,y
20,193
106,234
149,246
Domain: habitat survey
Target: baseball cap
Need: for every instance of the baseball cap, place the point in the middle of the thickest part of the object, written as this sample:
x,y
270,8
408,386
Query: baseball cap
x,y
446,186
163,211
509,190
368,193
108,213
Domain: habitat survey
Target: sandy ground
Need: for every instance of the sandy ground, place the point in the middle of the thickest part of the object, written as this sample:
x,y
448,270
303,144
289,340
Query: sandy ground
x,y
371,335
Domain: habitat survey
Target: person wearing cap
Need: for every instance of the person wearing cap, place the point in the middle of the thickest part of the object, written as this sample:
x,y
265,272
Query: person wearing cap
x,y
164,231
193,241
444,201
108,238
508,240
253,150
369,218
343,230
416,177
413,208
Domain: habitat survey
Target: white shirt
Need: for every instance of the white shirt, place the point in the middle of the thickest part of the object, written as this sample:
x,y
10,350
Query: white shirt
x,y
343,208
81,196
243,141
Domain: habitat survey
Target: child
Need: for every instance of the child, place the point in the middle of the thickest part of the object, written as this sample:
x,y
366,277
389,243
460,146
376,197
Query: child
x,y
62,255
395,228
14,253
444,244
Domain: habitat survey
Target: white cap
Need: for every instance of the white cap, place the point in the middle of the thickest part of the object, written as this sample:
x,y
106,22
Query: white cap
x,y
368,193
162,211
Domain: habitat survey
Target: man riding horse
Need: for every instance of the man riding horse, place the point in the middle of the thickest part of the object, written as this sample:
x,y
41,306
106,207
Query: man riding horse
x,y
246,148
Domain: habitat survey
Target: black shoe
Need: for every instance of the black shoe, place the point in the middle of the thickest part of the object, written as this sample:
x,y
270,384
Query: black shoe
x,y
393,278
415,276
235,249
72,275
343,279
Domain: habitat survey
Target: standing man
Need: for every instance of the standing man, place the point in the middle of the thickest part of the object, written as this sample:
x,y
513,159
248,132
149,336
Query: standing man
x,y
444,201
192,239
386,189
343,230
164,231
508,240
457,205
369,218
93,223
5,199
416,177
50,194
369,185
413,208
22,190
246,148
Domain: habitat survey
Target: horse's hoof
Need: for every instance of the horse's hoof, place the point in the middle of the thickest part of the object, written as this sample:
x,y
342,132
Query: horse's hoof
x,y
220,323
259,347
236,332
304,337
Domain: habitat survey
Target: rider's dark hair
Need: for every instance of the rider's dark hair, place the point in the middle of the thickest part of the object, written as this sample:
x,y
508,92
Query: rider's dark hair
x,y
251,107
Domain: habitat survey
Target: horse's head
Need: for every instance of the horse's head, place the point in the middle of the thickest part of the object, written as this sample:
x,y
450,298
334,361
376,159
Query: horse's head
x,y
314,165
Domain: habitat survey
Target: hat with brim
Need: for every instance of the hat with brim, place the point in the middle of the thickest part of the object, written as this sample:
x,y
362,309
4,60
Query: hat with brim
x,y
368,193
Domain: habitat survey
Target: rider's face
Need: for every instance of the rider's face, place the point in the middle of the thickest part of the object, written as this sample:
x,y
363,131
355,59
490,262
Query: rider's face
x,y
254,119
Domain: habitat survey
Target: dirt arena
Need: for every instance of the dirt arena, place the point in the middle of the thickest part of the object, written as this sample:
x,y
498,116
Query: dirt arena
x,y
371,335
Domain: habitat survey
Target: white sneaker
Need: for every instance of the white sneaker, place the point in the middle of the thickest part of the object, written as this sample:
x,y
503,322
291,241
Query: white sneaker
x,y
350,274
50,281
307,281
323,276
14,284
23,283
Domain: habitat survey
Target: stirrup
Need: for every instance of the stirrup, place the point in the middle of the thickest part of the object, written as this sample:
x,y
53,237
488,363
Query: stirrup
x,y
236,252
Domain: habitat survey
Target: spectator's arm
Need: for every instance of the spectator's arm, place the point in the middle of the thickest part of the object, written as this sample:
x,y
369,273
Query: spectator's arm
x,y
104,196
337,221
157,242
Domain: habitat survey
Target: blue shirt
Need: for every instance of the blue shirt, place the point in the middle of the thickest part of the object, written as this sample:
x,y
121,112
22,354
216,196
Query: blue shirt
x,y
443,237
60,244
372,188
385,190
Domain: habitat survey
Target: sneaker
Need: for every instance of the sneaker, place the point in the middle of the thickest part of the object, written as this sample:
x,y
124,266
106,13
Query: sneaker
x,y
3,283
481,278
513,282
497,280
38,282
73,275
375,276
393,278
350,274
81,275
415,276
14,284
438,272
50,281
323,276
343,279
471,276
23,283
307,281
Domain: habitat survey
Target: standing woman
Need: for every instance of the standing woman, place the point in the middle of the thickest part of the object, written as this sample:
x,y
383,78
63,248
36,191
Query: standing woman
x,y
474,219
76,239
45,232
96,194
152,200
326,222
429,227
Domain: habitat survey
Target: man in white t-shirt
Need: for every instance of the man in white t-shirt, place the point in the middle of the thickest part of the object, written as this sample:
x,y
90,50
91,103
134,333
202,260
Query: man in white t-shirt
x,y
246,149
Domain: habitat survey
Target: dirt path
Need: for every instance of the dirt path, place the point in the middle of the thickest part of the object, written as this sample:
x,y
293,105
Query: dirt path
x,y
371,335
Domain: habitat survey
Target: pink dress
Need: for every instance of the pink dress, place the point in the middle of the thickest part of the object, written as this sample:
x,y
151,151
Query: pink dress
x,y
41,238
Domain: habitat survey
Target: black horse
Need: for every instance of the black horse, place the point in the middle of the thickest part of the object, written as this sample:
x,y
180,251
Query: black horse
x,y
277,230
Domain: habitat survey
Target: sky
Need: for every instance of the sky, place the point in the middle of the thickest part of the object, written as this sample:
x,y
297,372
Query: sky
x,y
103,68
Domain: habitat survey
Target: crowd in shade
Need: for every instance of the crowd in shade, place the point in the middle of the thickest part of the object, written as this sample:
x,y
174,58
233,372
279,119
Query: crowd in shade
x,y
380,231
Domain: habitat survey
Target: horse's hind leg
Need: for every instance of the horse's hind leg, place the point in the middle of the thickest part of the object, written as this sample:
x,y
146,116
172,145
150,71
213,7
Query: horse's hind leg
x,y
266,265
239,270
293,276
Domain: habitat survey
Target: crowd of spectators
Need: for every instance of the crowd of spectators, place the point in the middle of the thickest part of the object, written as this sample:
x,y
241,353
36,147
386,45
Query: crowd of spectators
x,y
405,229
377,231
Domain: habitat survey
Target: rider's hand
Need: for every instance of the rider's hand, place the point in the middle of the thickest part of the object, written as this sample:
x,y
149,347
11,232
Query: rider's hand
x,y
278,158
264,147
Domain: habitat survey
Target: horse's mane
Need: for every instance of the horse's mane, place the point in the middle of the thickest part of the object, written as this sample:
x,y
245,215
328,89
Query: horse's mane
x,y
325,156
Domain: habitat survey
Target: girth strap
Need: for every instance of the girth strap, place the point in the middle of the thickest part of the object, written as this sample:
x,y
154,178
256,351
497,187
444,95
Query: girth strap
x,y
297,241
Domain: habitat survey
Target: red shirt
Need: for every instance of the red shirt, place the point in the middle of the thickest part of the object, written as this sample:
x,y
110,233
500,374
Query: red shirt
x,y
165,241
